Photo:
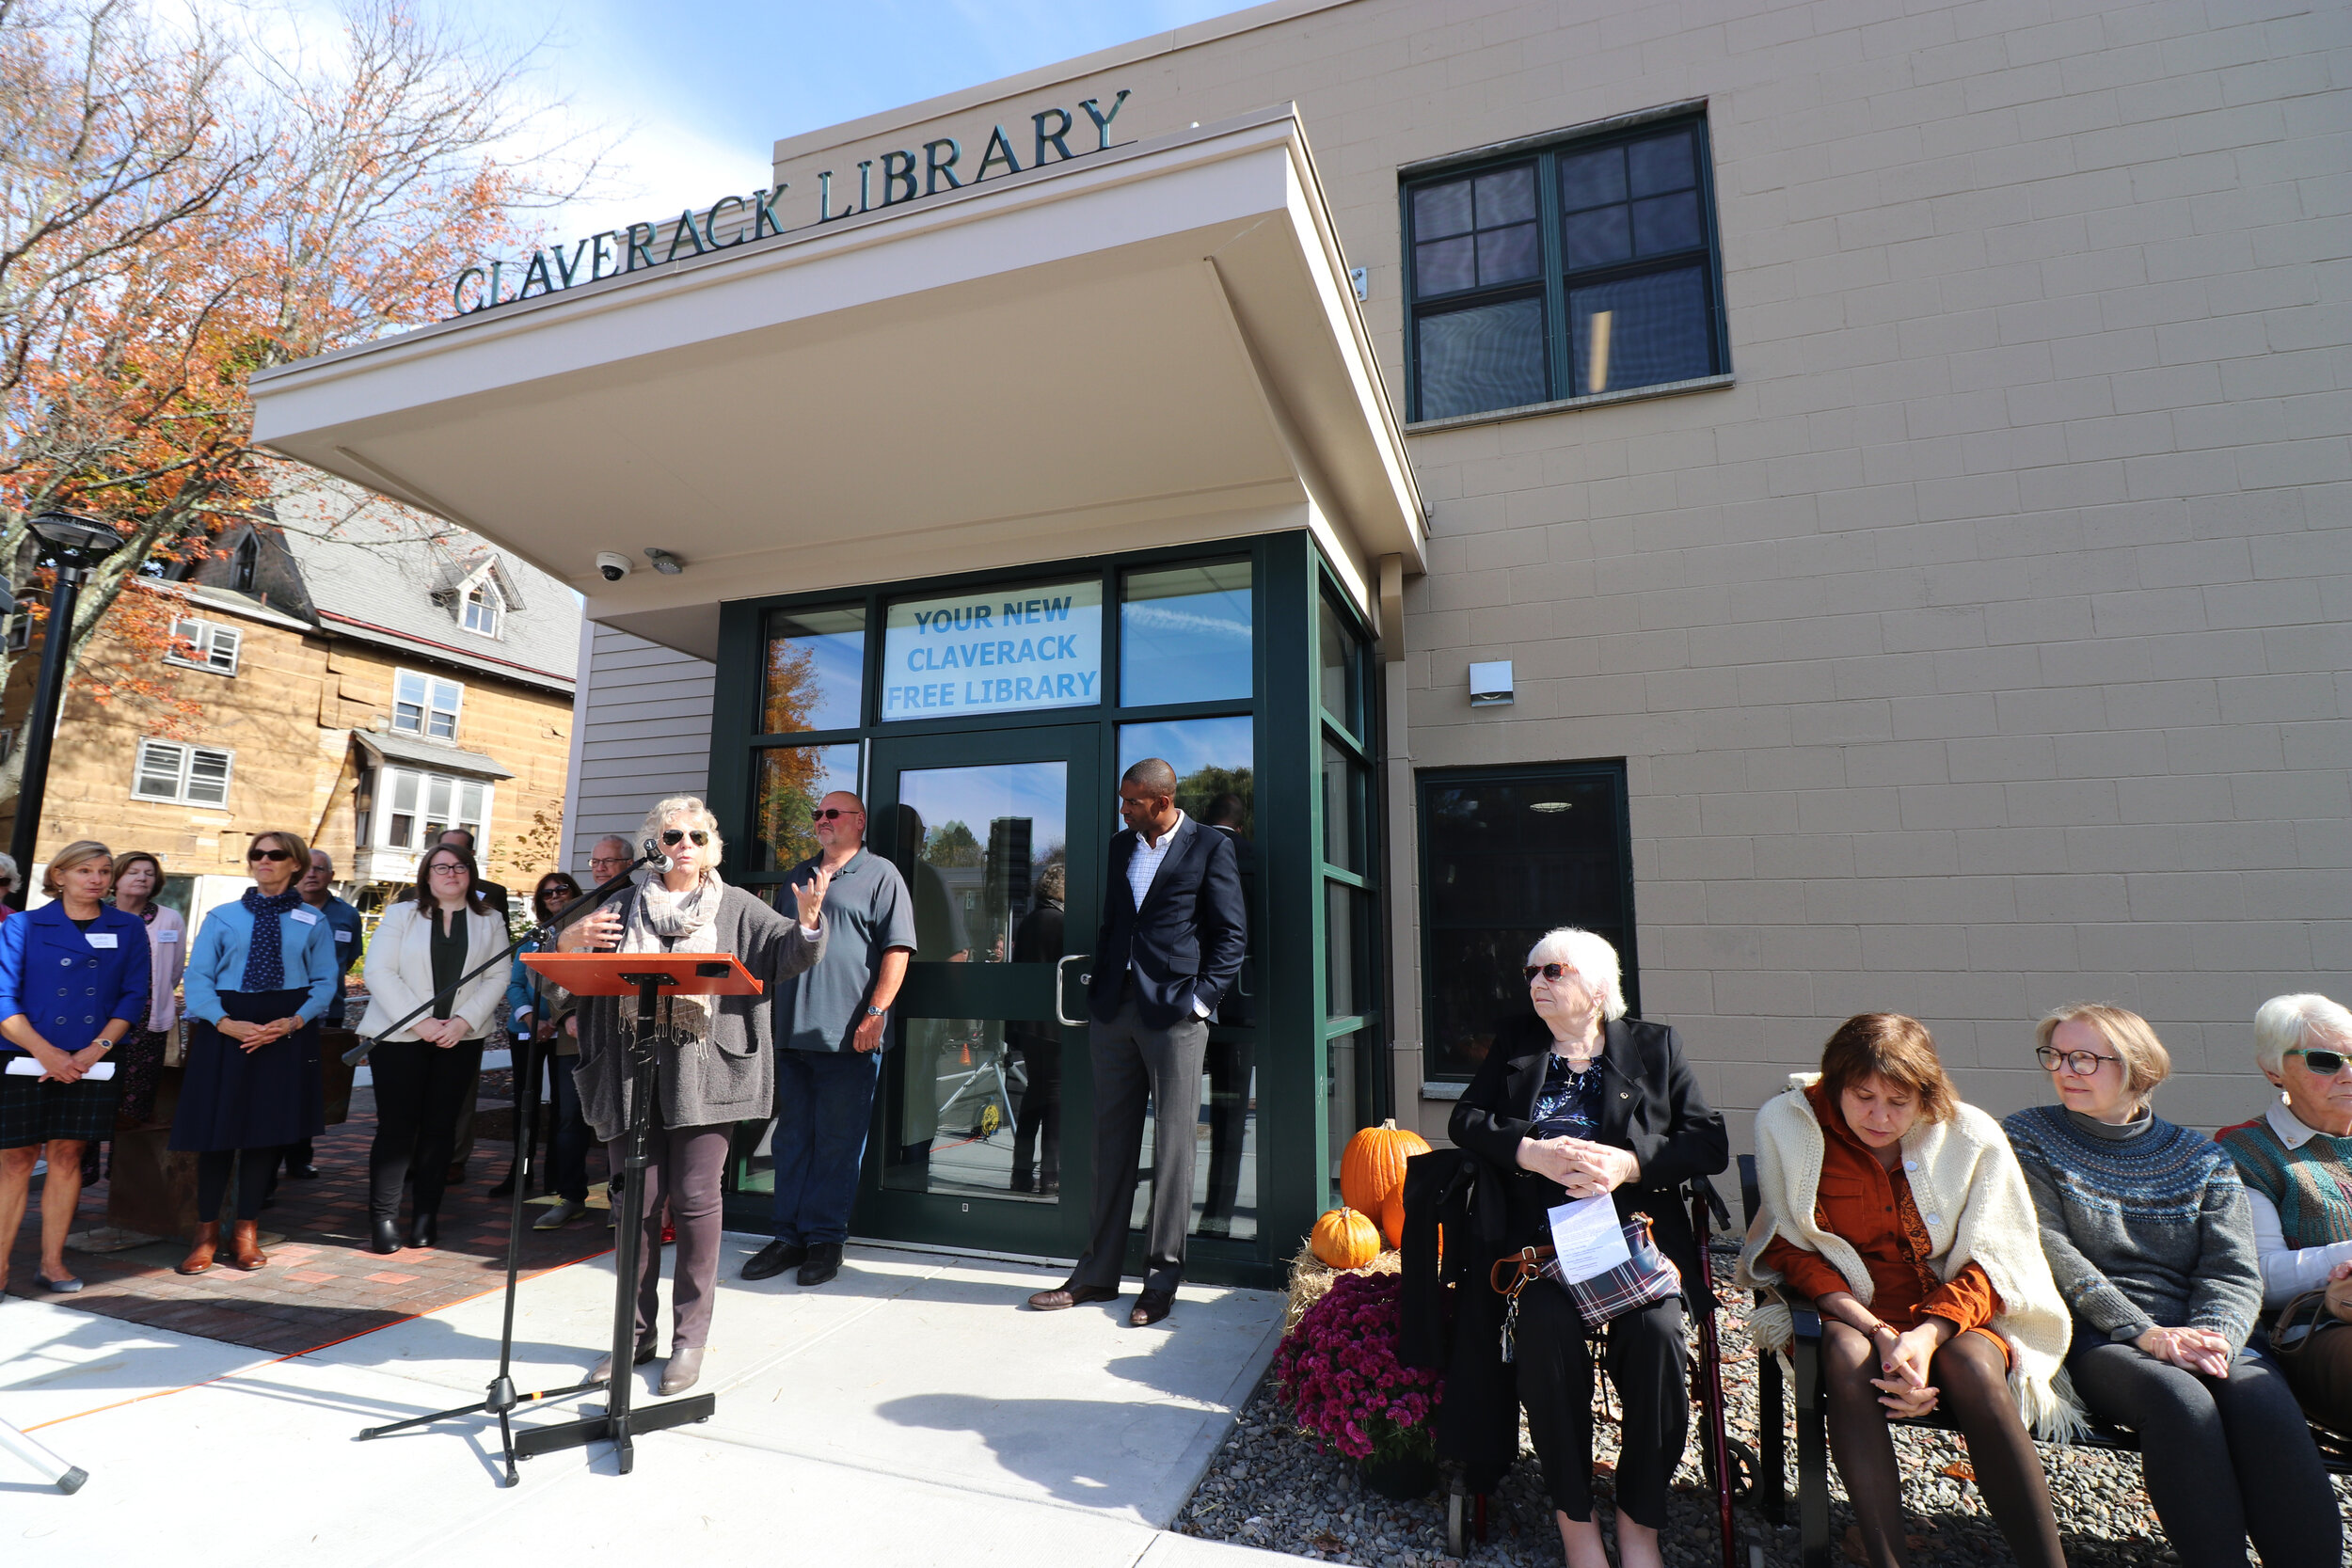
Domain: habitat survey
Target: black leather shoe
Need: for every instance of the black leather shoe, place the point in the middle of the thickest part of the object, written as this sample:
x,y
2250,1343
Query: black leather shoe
x,y
773,1258
602,1370
824,1263
1151,1308
427,1232
387,1236
303,1173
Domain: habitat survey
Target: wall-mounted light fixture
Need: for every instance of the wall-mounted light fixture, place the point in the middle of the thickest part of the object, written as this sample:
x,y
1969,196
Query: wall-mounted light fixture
x,y
1490,683
663,561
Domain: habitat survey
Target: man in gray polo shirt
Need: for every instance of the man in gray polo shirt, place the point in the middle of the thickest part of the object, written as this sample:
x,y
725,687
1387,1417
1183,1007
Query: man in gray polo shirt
x,y
829,1029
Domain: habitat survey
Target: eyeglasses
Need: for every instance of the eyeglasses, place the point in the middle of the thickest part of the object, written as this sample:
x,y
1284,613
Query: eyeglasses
x,y
832,812
448,868
269,854
608,860
672,836
1550,971
2325,1063
2082,1064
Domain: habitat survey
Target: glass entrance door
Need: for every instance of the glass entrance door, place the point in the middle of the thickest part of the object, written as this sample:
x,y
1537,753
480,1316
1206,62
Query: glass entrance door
x,y
997,835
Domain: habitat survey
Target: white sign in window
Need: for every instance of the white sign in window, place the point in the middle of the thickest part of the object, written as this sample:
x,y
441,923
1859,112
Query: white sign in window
x,y
168,770
995,650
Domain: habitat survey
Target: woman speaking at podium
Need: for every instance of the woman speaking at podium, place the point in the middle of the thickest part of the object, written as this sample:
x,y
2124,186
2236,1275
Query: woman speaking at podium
x,y
717,1068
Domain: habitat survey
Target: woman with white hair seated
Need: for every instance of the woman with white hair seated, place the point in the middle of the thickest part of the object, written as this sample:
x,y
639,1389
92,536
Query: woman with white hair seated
x,y
2296,1161
717,1067
1573,1101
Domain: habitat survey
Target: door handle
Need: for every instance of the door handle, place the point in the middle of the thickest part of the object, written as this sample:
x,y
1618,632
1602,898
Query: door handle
x,y
1060,1017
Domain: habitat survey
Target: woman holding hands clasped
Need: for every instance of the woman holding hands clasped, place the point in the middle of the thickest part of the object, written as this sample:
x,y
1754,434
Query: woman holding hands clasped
x,y
1902,1215
717,1068
1573,1103
2147,1232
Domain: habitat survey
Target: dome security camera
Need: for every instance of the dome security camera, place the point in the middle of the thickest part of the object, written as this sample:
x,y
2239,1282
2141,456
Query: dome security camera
x,y
613,564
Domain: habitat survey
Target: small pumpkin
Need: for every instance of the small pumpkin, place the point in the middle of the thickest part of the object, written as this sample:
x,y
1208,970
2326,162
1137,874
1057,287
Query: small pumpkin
x,y
1373,1165
1344,1239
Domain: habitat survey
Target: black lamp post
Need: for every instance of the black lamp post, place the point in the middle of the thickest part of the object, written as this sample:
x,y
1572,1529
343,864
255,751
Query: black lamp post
x,y
73,545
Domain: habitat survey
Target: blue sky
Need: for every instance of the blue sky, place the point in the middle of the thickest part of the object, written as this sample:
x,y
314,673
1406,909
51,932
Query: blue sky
x,y
700,89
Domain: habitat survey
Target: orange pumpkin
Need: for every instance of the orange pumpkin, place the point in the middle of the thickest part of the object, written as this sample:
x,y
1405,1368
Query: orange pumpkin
x,y
1392,1218
1373,1165
1344,1239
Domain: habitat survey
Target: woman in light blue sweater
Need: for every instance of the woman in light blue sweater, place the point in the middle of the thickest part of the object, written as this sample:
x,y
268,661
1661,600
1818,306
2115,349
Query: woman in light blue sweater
x,y
2148,1234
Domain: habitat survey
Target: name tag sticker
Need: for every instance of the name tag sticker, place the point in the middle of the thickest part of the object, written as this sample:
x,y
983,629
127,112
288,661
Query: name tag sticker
x,y
342,936
305,916
101,939
163,936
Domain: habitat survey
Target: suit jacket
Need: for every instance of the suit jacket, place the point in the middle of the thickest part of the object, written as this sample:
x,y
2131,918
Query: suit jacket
x,y
73,984
1187,940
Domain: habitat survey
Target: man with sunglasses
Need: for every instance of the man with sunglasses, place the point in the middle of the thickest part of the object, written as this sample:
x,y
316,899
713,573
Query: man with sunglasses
x,y
831,1023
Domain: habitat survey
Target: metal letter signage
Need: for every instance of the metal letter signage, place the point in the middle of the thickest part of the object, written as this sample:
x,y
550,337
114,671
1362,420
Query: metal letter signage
x,y
997,650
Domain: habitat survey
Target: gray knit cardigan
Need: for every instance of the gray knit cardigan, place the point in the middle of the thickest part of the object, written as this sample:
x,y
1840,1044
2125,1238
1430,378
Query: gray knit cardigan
x,y
730,1076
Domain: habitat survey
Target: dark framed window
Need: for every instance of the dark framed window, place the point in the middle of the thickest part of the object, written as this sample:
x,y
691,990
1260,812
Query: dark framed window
x,y
1589,266
1507,854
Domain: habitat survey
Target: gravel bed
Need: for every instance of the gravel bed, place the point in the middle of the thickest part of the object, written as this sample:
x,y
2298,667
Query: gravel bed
x,y
1273,1487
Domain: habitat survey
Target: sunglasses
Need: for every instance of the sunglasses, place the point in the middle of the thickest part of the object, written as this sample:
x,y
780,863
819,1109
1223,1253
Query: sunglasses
x,y
2325,1063
672,835
269,854
2082,1064
832,812
1550,971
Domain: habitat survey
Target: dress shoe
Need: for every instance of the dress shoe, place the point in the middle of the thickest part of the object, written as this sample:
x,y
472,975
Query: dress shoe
x,y
427,1230
200,1256
384,1236
65,1286
1151,1308
824,1263
602,1370
684,1370
773,1258
564,1211
1070,1295
303,1173
244,1245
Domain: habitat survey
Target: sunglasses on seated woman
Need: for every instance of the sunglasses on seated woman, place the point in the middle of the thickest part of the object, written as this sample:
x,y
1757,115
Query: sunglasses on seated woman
x,y
670,836
2325,1063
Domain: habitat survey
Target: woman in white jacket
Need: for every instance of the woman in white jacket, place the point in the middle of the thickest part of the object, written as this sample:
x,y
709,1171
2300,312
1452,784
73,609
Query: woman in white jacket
x,y
423,1070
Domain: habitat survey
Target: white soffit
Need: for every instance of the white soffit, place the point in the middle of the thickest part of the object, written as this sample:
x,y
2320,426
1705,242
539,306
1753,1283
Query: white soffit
x,y
1151,346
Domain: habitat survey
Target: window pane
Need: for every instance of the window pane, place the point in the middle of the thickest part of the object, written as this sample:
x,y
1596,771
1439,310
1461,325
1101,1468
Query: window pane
x,y
1445,266
1215,784
1507,255
1346,951
412,688
400,834
1598,238
469,804
816,671
1341,1055
1441,210
208,777
443,725
1490,356
994,650
1507,195
405,791
1592,179
1665,223
436,798
1662,164
408,718
1340,673
1639,331
224,650
1506,860
1184,635
159,769
1344,803
791,780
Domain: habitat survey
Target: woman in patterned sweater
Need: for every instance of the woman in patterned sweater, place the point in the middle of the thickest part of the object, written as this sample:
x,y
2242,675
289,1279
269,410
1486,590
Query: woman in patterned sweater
x,y
2148,1234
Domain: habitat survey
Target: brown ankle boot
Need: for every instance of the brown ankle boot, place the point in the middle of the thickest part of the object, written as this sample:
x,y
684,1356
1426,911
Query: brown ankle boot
x,y
244,1241
200,1256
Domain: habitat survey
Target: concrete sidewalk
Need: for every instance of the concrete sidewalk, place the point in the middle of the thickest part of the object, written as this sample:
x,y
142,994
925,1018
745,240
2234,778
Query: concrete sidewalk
x,y
908,1412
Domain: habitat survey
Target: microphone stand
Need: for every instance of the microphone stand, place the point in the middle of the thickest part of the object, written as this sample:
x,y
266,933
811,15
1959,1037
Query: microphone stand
x,y
501,1400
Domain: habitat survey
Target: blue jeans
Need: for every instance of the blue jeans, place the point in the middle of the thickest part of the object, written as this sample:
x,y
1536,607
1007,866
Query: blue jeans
x,y
825,1104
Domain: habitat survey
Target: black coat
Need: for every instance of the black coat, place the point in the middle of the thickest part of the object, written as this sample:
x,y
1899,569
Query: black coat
x,y
1187,940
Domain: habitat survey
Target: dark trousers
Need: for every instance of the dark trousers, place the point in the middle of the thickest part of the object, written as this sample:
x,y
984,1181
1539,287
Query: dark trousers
x,y
569,1178
2321,1376
2225,1459
419,1090
1229,1065
1645,1360
1037,1132
218,1169
825,1104
683,1168
1135,1066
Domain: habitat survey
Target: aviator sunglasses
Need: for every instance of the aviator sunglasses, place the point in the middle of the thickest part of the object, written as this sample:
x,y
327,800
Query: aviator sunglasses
x,y
2325,1063
671,836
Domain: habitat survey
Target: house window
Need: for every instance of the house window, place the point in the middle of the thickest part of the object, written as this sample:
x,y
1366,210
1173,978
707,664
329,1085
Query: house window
x,y
169,770
20,631
1589,267
484,607
425,705
203,645
1507,854
248,566
420,807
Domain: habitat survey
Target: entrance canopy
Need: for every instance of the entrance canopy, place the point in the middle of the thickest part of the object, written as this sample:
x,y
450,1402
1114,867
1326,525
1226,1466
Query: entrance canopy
x,y
1154,345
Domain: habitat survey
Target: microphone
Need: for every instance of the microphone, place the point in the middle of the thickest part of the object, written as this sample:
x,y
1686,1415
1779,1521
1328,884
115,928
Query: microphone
x,y
653,853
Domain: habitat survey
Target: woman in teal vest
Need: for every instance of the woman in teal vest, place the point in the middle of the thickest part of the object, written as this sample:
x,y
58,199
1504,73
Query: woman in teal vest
x,y
2296,1159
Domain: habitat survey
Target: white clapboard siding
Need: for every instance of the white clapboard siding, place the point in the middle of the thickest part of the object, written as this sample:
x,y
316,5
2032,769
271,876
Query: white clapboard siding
x,y
644,727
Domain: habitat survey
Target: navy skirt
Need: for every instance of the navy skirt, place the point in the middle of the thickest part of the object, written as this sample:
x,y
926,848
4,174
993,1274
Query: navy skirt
x,y
230,1097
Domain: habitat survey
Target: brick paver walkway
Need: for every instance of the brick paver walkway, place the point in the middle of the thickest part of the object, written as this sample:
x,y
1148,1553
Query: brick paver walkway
x,y
322,1284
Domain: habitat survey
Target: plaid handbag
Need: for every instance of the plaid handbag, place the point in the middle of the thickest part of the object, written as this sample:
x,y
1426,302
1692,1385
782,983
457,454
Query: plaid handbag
x,y
1649,1276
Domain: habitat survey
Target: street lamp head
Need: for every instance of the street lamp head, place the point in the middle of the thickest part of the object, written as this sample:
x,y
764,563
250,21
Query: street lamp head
x,y
81,536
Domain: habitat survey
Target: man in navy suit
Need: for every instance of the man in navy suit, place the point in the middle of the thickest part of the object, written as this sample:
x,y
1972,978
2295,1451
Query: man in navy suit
x,y
1169,950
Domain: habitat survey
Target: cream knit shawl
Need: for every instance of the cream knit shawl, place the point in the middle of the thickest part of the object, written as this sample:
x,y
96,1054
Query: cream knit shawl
x,y
1972,1196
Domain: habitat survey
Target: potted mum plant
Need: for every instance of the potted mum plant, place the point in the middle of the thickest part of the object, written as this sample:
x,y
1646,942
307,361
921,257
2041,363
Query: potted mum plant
x,y
1339,1370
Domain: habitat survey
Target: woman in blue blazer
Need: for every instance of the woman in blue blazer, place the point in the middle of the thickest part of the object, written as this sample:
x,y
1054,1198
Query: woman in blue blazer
x,y
73,981
261,973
